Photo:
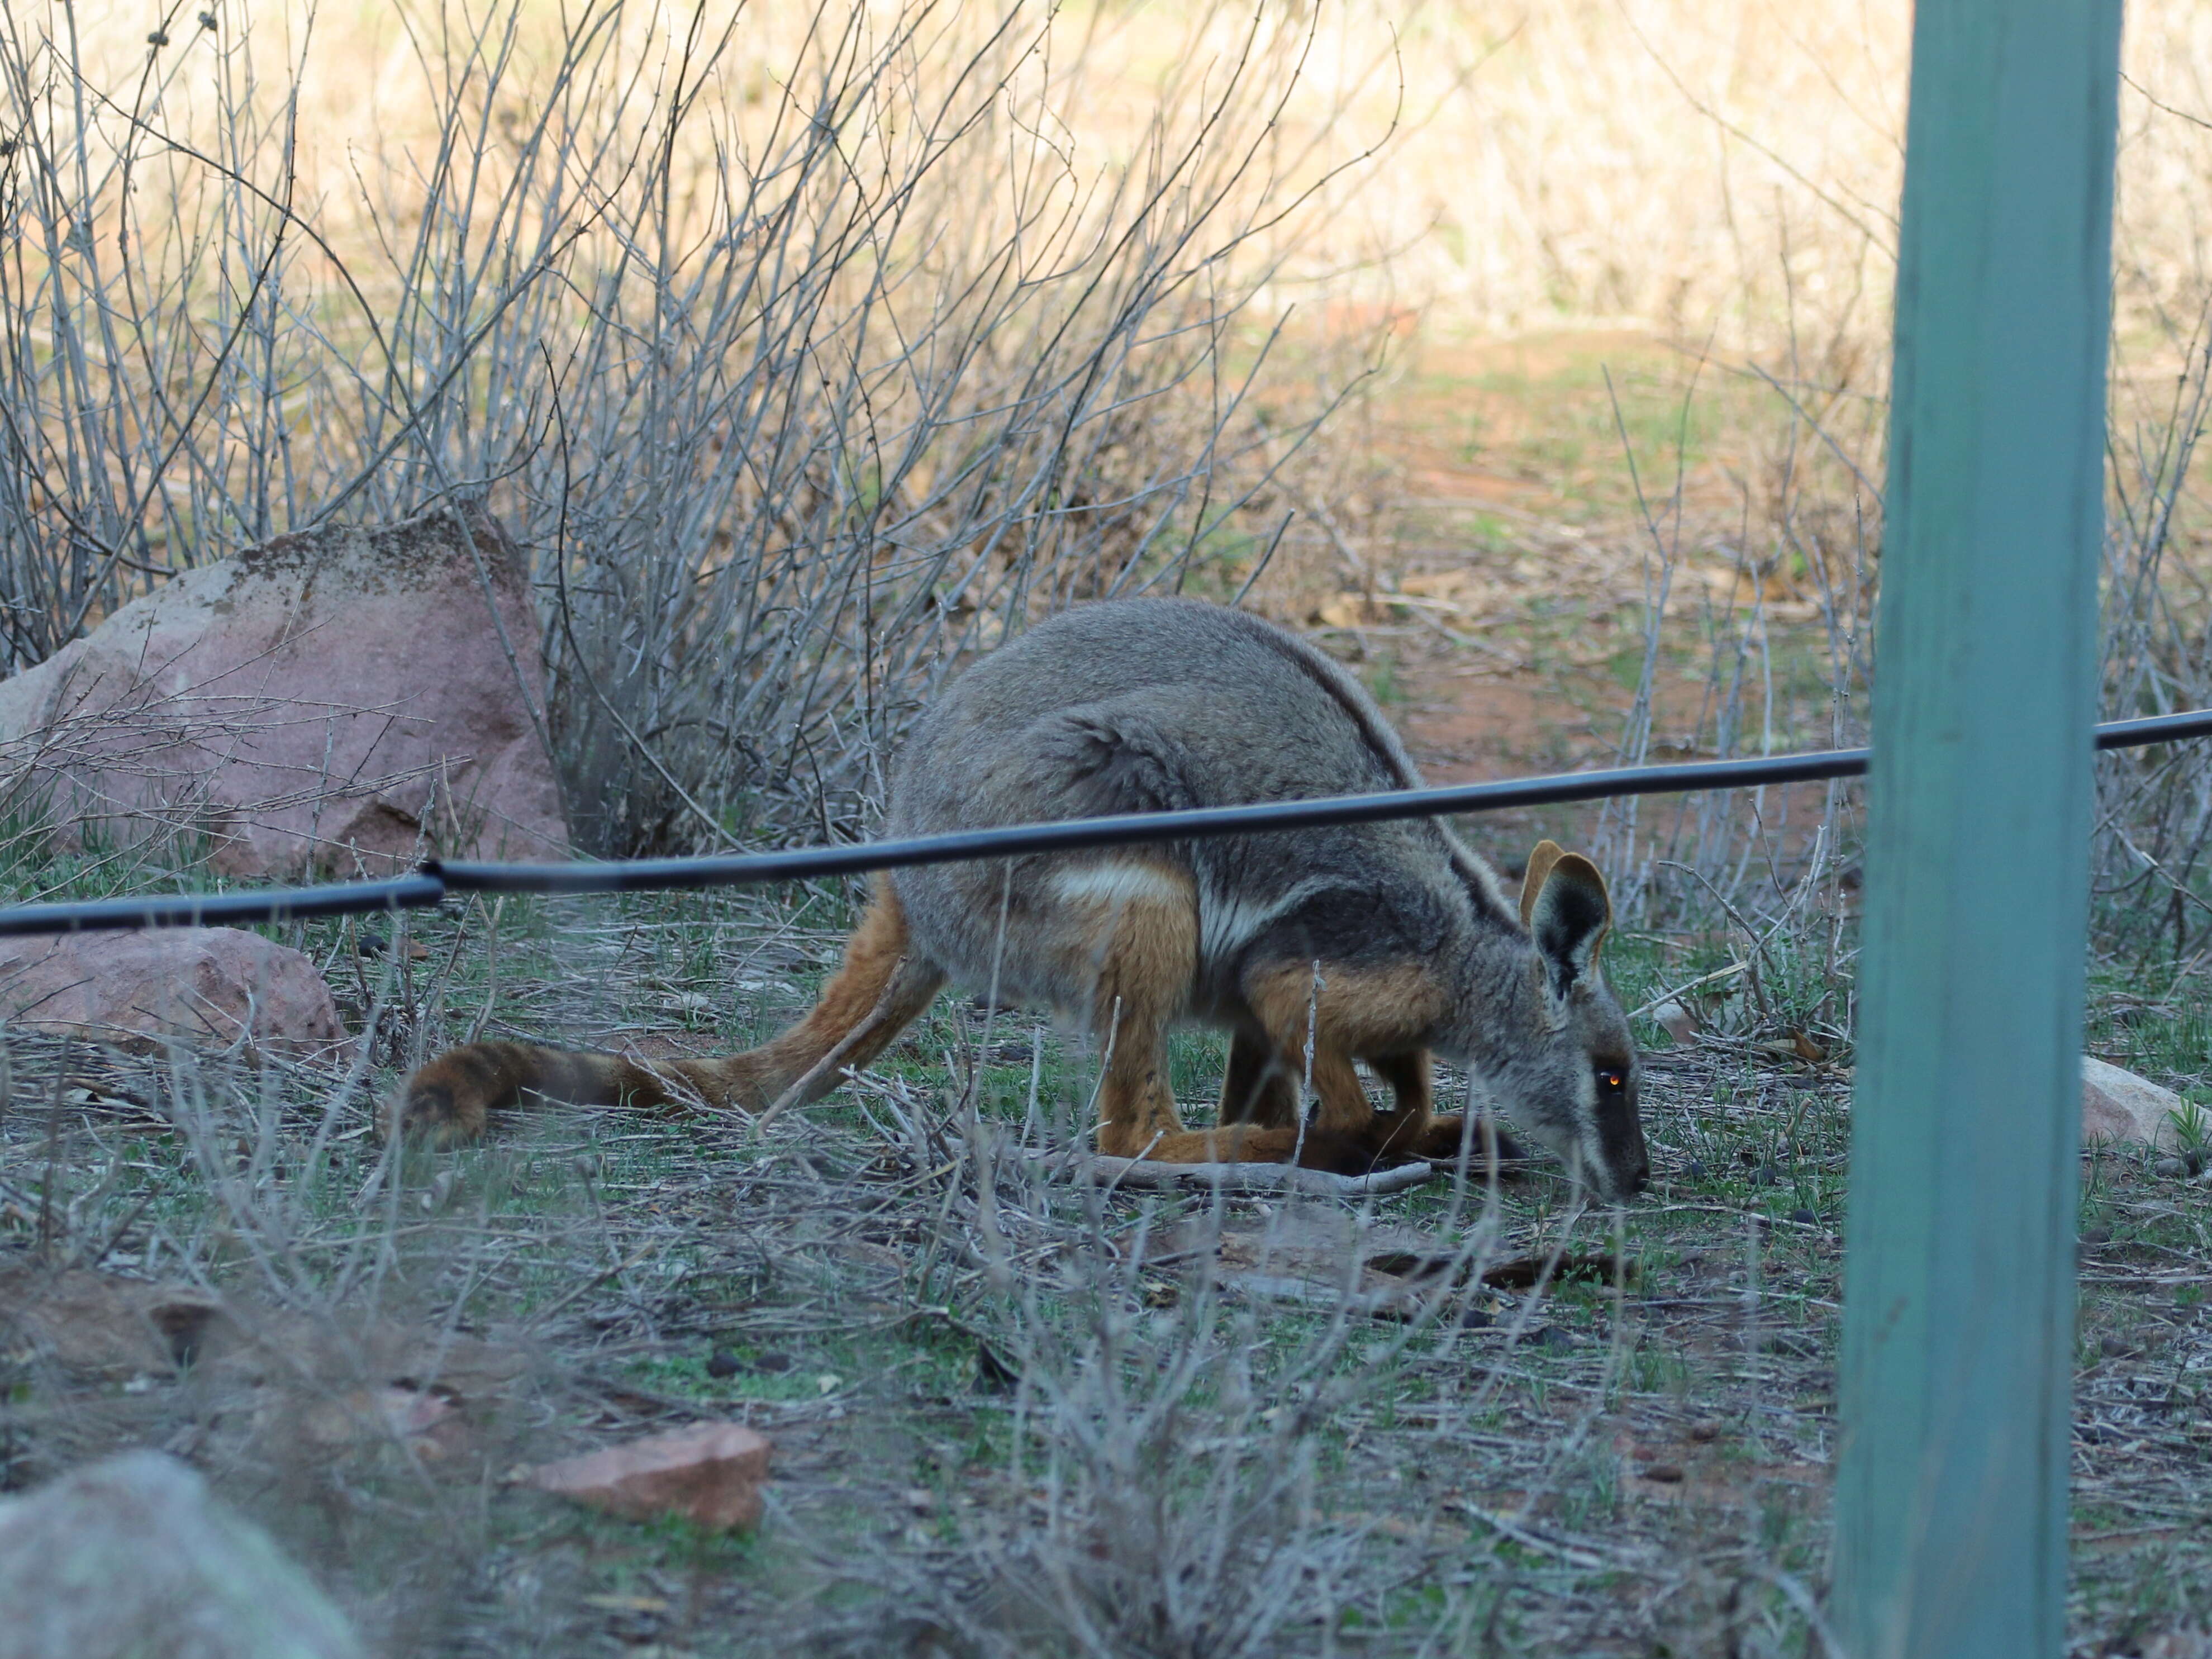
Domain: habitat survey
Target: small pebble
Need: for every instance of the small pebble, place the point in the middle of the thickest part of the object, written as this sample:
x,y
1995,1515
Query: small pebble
x,y
1666,1474
2170,1166
723,1362
1703,1432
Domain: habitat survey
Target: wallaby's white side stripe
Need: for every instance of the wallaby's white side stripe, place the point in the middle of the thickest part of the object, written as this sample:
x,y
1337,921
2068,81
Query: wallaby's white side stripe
x,y
1227,923
1121,884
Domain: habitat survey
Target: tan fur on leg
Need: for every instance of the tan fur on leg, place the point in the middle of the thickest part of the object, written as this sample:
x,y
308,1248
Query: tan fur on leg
x,y
1357,1011
1379,1012
1413,1080
1143,945
878,994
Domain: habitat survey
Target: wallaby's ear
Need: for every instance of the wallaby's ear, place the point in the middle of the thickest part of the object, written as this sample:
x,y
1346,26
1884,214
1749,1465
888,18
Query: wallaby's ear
x,y
1547,853
1570,916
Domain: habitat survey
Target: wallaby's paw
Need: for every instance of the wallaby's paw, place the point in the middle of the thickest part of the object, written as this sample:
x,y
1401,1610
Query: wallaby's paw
x,y
1346,1154
1441,1141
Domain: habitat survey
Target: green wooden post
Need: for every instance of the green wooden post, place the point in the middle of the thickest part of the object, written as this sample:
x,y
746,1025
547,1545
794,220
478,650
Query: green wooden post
x,y
1951,1496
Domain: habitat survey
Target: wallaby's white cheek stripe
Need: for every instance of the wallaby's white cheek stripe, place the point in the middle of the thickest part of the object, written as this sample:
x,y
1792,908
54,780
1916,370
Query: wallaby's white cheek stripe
x,y
1121,884
1586,1131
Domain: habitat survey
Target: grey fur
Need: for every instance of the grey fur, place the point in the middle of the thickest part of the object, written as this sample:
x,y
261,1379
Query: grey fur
x,y
1144,705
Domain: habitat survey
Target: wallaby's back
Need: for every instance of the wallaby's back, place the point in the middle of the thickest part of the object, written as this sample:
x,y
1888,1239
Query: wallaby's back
x,y
1157,705
1141,705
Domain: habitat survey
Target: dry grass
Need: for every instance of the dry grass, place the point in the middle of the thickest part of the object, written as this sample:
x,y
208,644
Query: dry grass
x,y
1012,1415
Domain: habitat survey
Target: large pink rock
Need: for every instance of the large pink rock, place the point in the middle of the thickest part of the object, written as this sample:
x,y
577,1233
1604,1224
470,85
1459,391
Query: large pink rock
x,y
206,987
347,699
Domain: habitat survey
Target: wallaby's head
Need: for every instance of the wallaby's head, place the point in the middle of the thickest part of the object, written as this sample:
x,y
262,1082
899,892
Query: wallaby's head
x,y
1553,1041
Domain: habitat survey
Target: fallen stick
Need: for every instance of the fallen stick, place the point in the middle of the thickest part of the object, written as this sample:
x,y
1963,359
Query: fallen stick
x,y
1253,1178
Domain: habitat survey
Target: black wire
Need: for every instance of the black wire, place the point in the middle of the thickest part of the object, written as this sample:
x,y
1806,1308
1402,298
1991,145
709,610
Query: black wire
x,y
659,874
409,892
437,878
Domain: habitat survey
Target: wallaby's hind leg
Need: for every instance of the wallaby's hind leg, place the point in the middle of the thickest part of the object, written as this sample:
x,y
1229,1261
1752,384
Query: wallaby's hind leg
x,y
1146,952
1257,1089
882,986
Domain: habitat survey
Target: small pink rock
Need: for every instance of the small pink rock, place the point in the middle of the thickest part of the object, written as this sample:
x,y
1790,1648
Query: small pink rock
x,y
709,1474
203,987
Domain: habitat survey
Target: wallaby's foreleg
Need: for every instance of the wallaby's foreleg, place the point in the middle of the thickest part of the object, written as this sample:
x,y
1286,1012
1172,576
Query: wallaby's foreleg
x,y
879,991
1441,1140
1412,1081
1259,1067
1351,1011
1325,1019
1257,1087
1414,1130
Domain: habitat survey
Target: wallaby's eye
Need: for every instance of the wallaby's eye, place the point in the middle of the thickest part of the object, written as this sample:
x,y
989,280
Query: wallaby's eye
x,y
1612,1079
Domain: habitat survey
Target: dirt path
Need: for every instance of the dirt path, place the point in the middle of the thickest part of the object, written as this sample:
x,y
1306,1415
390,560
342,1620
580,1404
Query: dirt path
x,y
1501,617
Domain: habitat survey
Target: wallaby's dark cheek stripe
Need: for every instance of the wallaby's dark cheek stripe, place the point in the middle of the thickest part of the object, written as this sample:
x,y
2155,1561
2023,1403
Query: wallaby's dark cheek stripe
x,y
1619,1134
1620,1137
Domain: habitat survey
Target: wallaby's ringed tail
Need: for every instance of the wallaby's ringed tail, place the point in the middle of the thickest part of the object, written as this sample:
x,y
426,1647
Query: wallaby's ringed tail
x,y
1394,941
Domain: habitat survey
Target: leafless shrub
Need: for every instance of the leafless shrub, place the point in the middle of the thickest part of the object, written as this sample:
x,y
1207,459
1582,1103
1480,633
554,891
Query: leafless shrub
x,y
1777,610
1758,639
804,353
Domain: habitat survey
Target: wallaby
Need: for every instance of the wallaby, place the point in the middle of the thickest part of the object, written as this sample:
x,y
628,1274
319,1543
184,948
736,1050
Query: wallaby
x,y
1314,948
